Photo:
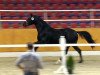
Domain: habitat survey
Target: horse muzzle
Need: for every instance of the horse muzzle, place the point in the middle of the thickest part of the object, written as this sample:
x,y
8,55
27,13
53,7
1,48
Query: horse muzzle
x,y
25,24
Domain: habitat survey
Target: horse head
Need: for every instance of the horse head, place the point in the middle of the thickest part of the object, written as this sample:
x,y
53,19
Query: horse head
x,y
31,20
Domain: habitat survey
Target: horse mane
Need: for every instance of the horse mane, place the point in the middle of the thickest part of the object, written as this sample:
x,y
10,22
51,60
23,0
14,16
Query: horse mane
x,y
43,22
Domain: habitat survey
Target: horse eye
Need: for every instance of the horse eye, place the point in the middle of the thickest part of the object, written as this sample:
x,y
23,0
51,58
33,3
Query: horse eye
x,y
32,18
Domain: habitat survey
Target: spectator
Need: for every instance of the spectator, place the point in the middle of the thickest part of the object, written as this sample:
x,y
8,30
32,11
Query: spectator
x,y
29,62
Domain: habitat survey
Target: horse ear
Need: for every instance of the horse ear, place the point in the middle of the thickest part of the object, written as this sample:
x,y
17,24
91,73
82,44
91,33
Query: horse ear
x,y
31,14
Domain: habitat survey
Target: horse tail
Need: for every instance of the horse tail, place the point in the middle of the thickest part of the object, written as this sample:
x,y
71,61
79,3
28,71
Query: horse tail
x,y
87,36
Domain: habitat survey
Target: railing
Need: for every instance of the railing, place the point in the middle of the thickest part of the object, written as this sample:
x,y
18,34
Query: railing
x,y
62,44
46,11
46,45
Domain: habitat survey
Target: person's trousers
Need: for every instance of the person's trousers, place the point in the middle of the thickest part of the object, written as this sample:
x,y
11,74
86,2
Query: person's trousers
x,y
31,73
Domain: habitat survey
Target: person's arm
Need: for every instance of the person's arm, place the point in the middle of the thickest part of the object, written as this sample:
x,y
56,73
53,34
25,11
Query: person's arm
x,y
19,66
19,61
39,63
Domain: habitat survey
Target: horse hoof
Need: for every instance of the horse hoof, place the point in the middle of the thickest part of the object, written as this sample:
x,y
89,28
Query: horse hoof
x,y
58,61
80,61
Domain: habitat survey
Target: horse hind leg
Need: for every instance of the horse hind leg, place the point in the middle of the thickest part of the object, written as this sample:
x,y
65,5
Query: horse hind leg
x,y
79,51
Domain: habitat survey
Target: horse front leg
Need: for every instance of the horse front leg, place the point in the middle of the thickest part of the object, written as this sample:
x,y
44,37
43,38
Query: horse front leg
x,y
66,51
38,42
35,48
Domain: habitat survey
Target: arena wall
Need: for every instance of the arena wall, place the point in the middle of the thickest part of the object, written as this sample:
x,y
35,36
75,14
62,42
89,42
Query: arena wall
x,y
22,36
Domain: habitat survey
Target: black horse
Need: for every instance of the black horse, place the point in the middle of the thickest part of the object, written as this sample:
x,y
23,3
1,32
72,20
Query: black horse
x,y
49,35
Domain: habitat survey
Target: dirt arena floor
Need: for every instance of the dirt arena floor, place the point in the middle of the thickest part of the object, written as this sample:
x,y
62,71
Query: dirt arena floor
x,y
91,66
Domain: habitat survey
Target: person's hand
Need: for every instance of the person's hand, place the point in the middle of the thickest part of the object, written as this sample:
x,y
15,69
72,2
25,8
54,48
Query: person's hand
x,y
21,67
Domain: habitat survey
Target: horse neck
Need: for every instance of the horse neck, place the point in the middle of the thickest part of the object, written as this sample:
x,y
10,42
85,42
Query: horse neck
x,y
41,26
